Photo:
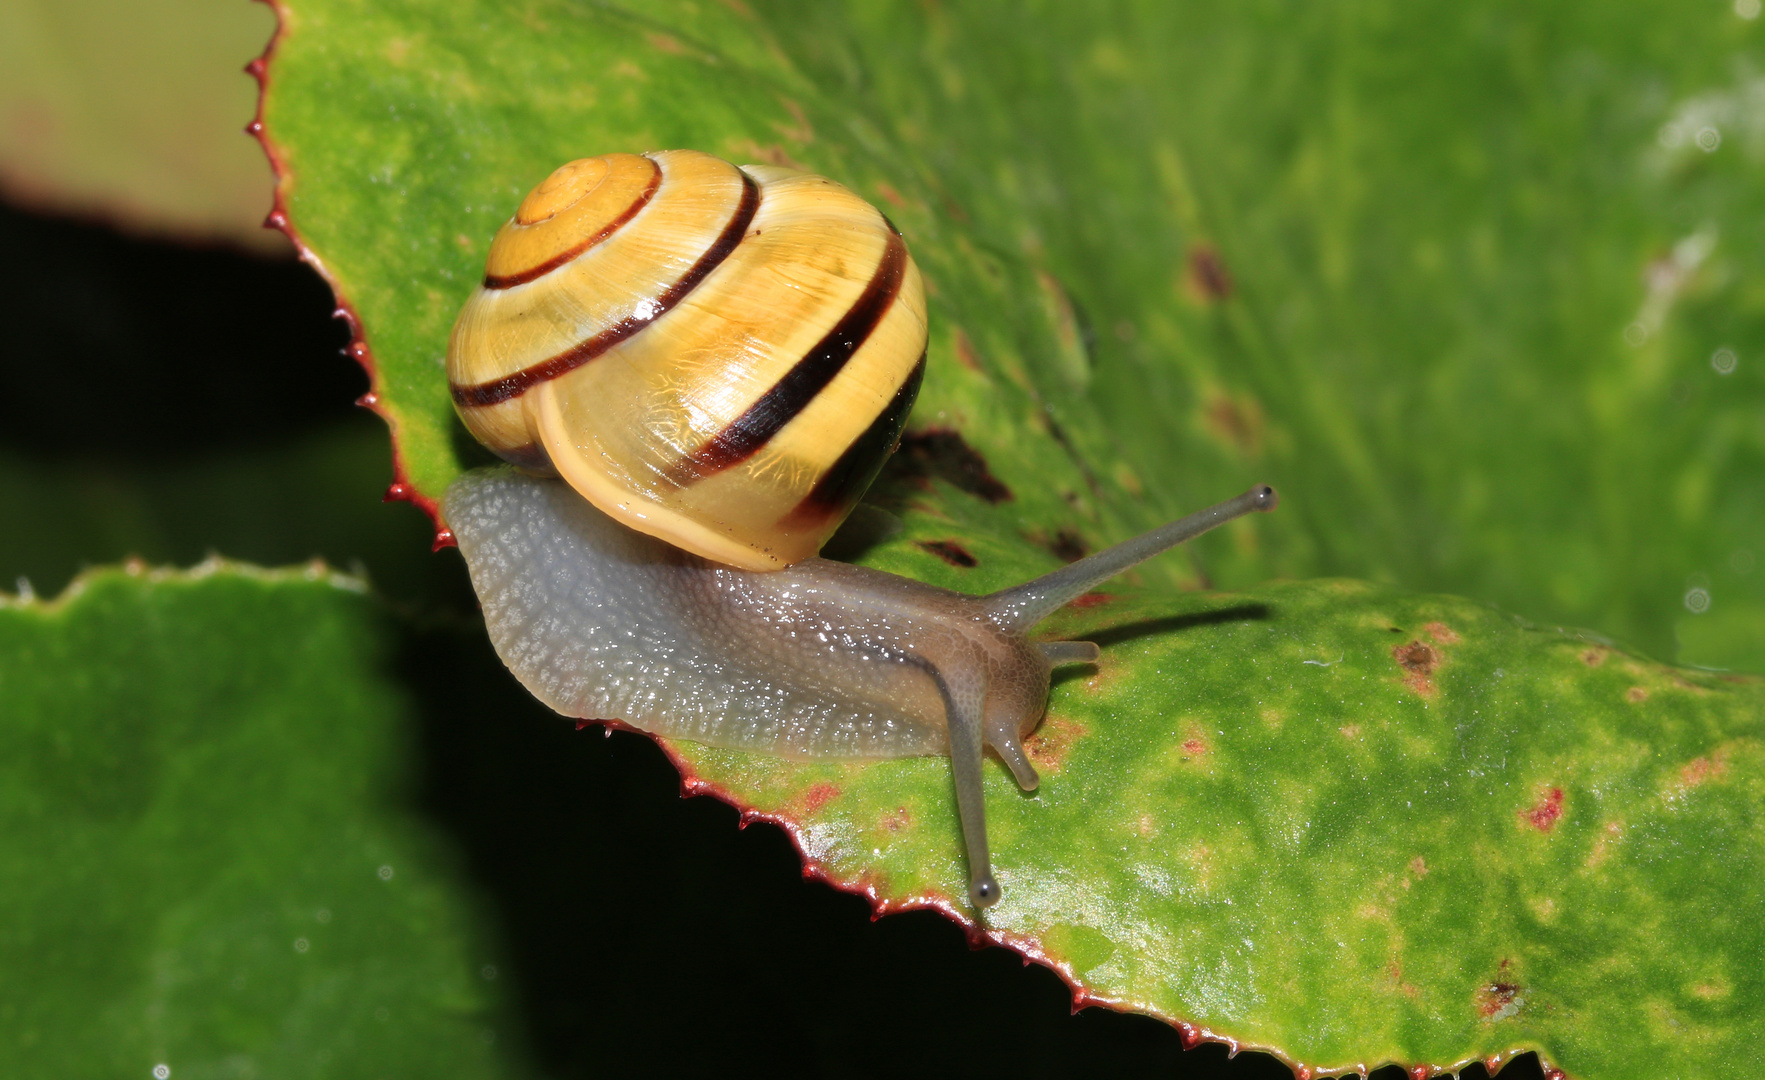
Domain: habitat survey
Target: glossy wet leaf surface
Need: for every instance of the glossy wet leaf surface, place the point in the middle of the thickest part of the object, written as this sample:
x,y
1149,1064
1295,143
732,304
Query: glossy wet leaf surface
x,y
1458,281
213,860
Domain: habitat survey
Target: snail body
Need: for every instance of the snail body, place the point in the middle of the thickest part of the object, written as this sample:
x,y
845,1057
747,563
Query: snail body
x,y
716,361
821,660
716,356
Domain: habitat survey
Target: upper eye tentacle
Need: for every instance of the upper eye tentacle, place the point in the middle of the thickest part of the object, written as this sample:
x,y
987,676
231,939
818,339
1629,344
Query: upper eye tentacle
x,y
1017,609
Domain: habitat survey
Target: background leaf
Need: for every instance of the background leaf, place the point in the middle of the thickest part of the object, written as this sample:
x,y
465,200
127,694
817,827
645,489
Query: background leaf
x,y
130,111
217,867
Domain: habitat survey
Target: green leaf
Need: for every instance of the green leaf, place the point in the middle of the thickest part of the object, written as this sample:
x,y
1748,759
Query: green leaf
x,y
1353,826
212,861
1456,279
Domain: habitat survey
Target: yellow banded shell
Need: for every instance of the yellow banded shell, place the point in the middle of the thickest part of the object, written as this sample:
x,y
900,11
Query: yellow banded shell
x,y
720,357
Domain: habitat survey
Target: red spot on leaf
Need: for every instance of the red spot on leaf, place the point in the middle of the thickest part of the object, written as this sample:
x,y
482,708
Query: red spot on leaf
x,y
818,796
1420,1072
1701,769
1091,599
1194,747
1496,1000
1442,633
1190,1036
1052,741
966,354
1543,814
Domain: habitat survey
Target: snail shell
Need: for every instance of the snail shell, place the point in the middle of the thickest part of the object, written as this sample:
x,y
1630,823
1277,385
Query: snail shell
x,y
719,357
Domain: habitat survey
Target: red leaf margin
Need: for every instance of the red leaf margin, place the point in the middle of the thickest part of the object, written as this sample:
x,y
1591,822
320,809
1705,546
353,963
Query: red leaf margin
x,y
979,935
401,489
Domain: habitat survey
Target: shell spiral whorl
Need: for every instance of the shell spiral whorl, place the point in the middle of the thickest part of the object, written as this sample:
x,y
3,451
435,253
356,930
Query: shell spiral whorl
x,y
719,357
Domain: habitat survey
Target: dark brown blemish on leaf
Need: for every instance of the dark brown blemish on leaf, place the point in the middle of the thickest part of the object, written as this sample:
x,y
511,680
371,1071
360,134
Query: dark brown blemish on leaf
x,y
1543,814
1418,660
1237,423
1595,656
942,454
951,552
1068,545
897,819
1205,274
1065,543
1636,695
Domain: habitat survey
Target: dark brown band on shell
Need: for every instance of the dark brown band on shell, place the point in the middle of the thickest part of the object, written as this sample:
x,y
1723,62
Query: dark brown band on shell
x,y
509,281
753,429
846,480
497,391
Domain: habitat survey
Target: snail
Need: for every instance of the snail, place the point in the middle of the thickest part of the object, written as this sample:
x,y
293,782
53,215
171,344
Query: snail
x,y
595,350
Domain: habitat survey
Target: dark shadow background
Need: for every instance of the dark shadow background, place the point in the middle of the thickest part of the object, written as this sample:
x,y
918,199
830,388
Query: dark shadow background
x,y
165,401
